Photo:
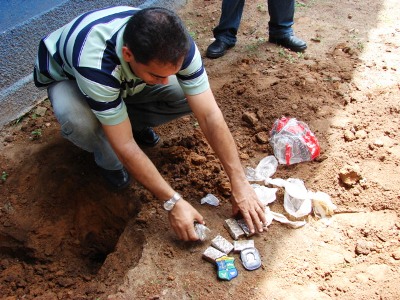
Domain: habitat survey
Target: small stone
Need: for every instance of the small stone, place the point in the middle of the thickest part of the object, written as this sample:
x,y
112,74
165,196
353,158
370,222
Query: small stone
x,y
250,118
361,134
40,111
350,175
349,136
364,247
197,159
244,156
262,137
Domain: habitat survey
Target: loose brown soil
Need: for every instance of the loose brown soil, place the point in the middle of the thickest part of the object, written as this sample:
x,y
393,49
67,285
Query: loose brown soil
x,y
65,235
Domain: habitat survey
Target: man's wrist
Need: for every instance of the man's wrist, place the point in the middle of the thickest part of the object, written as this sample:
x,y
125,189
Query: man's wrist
x,y
170,203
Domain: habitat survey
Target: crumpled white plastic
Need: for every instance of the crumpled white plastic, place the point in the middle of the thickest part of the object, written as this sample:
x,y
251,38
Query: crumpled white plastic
x,y
281,218
210,199
265,169
322,204
265,194
201,231
296,200
270,216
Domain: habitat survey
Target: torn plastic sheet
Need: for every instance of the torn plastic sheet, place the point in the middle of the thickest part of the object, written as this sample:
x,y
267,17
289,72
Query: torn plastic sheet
x,y
270,216
322,204
296,200
265,194
202,231
265,169
210,199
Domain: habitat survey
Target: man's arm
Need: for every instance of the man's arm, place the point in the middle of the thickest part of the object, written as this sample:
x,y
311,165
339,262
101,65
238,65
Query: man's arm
x,y
143,170
215,129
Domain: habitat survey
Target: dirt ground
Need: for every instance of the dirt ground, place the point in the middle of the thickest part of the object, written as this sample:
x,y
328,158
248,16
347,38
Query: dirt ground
x,y
65,235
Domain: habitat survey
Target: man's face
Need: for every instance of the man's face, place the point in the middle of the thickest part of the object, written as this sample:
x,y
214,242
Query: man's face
x,y
155,72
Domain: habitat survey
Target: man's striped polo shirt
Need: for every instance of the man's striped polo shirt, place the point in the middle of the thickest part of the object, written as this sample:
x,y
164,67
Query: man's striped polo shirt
x,y
89,50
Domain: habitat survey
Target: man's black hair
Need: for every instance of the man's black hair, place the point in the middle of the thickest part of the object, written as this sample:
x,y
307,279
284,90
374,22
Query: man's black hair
x,y
156,34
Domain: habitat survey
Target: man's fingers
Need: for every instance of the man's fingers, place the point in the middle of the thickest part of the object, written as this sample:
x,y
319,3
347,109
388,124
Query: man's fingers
x,y
256,220
192,235
248,220
261,214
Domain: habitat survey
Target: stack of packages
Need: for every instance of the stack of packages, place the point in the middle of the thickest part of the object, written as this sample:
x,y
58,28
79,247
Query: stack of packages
x,y
220,248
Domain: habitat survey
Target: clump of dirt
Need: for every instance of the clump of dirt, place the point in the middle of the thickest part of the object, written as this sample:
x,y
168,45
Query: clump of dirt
x,y
65,235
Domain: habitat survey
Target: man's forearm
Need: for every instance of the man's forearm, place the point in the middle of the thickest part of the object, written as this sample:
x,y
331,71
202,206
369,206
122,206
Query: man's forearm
x,y
220,138
136,161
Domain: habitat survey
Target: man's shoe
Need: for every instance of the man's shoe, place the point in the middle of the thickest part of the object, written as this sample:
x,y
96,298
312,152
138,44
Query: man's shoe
x,y
118,179
217,49
147,137
292,43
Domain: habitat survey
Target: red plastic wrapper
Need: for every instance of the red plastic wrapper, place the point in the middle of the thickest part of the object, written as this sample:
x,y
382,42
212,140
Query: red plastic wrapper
x,y
293,141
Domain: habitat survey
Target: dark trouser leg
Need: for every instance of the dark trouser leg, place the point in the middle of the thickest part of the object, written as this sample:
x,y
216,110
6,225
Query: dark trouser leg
x,y
281,14
229,22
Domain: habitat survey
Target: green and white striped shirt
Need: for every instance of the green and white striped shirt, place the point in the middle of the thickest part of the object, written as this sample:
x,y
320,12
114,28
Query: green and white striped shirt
x,y
89,50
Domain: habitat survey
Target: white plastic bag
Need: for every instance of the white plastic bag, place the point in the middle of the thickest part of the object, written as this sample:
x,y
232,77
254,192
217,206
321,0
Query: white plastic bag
x,y
265,194
322,204
210,199
265,169
293,142
296,200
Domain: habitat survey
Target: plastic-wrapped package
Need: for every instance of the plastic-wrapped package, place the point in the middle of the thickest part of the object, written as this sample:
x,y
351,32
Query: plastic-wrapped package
x,y
222,244
210,199
293,142
201,231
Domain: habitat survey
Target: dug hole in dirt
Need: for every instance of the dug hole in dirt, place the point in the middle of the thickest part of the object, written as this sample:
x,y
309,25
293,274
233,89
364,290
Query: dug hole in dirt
x,y
65,235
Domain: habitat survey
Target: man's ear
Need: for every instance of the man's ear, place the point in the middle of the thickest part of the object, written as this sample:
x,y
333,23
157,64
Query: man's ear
x,y
127,54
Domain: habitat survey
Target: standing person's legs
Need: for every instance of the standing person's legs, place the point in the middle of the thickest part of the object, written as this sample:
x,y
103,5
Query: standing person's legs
x,y
280,25
79,124
225,32
281,13
231,14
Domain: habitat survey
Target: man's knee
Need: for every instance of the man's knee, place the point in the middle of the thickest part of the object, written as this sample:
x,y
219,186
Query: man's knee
x,y
71,110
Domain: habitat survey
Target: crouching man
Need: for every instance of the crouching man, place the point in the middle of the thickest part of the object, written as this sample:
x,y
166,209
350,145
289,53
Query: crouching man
x,y
115,73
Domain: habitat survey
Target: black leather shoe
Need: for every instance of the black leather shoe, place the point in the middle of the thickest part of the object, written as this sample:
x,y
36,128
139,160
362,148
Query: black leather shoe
x,y
118,179
147,137
292,43
217,49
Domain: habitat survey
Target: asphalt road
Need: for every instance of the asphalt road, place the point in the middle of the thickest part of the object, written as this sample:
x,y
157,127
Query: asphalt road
x,y
22,24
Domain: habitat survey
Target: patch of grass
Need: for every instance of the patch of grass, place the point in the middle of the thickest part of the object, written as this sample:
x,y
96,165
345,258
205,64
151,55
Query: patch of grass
x,y
299,4
34,116
4,176
360,46
254,46
36,134
19,120
286,55
192,34
290,56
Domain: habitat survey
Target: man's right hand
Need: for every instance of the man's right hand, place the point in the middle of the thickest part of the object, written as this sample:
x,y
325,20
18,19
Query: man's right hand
x,y
182,218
